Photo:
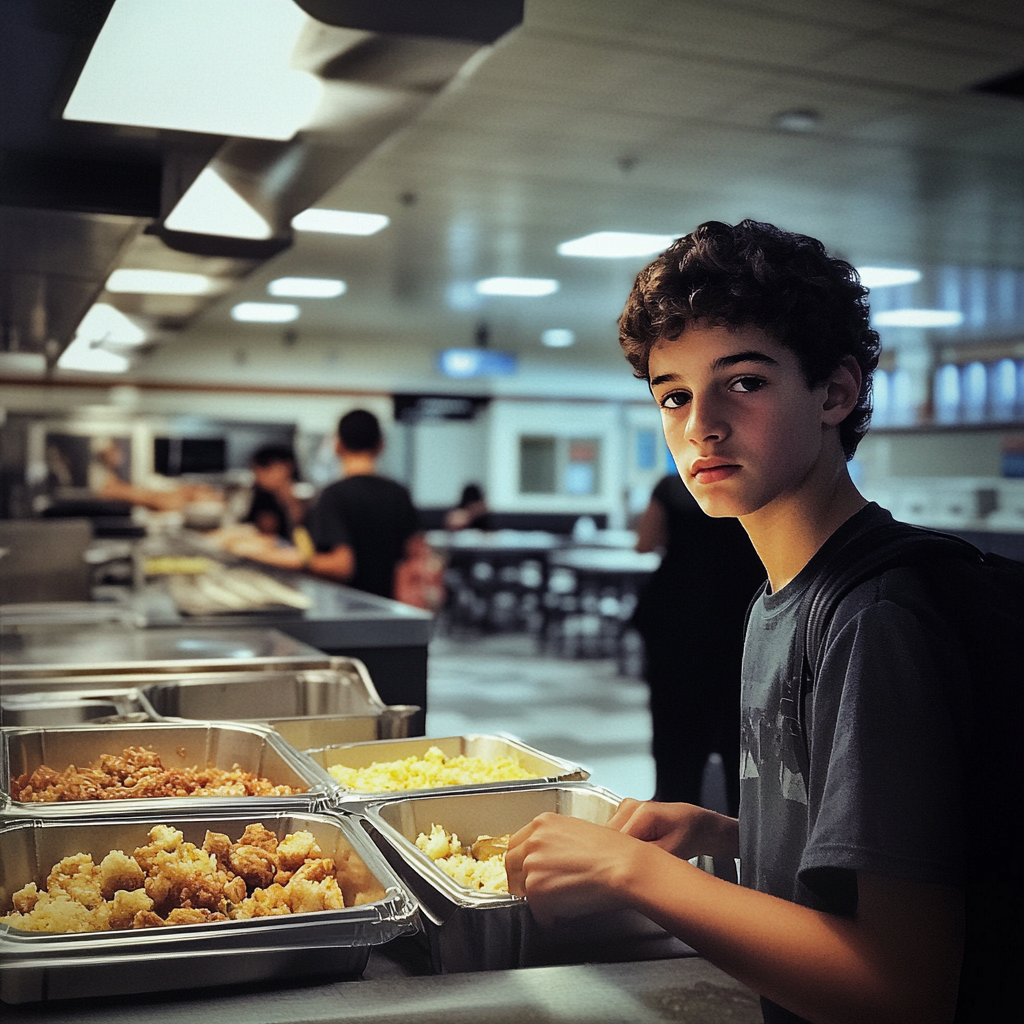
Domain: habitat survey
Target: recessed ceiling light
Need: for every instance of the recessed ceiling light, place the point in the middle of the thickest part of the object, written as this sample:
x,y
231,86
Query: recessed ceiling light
x,y
557,337
885,277
220,68
105,323
265,312
160,282
612,244
212,207
340,222
306,288
530,287
919,318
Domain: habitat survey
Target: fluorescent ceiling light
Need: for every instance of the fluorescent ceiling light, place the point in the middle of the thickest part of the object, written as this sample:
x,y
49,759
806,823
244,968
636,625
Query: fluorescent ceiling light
x,y
212,207
530,287
159,282
476,362
216,66
611,244
885,277
557,337
265,312
340,222
919,318
81,355
306,288
104,323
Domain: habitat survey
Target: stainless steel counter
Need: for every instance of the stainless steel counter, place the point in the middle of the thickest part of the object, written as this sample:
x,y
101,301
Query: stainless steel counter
x,y
392,991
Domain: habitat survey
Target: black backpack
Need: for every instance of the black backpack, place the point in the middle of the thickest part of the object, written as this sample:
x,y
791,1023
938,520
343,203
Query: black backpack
x,y
981,597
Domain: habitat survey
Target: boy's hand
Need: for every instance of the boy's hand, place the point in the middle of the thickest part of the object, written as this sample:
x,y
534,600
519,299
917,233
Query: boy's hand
x,y
567,867
682,829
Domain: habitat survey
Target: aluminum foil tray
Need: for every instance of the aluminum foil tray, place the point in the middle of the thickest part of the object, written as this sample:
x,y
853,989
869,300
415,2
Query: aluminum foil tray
x,y
36,966
183,744
308,708
546,767
74,707
477,931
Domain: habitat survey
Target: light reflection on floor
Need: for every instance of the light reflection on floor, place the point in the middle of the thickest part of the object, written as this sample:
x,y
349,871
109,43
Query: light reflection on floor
x,y
579,710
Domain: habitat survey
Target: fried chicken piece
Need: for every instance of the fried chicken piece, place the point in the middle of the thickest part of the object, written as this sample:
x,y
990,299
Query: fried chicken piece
x,y
119,872
263,903
51,912
162,839
259,836
296,848
219,845
25,899
307,897
77,878
190,915
147,919
180,874
257,866
120,912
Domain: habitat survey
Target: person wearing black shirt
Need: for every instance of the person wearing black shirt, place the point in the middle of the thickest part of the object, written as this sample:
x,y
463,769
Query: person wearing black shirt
x,y
362,525
698,596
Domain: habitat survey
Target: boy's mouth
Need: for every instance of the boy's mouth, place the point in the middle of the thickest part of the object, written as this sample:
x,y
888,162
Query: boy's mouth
x,y
710,471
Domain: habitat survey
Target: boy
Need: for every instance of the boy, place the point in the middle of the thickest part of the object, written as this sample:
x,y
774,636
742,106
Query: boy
x,y
757,347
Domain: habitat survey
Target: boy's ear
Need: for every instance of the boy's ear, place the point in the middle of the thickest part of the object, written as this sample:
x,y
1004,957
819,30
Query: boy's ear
x,y
842,389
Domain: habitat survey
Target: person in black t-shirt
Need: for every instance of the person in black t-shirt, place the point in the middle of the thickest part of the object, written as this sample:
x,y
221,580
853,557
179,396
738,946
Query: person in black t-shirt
x,y
364,525
708,573
856,861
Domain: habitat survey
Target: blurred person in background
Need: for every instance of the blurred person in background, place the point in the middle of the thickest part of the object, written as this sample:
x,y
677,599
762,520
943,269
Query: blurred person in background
x,y
690,615
106,481
274,508
364,526
471,513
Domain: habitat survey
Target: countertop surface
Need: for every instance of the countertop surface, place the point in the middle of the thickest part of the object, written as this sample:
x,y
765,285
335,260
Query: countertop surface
x,y
686,990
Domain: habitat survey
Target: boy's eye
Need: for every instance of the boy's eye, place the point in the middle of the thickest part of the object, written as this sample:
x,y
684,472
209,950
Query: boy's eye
x,y
746,385
675,400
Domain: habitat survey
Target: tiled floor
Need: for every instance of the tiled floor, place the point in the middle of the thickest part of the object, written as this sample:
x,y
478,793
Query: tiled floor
x,y
580,710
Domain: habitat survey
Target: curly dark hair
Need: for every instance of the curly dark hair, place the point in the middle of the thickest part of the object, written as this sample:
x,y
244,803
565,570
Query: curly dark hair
x,y
757,275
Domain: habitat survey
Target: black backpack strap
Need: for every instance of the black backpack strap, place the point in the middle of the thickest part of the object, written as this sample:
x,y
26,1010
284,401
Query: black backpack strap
x,y
867,556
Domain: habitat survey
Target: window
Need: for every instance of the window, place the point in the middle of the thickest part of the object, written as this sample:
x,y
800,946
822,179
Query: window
x,y
559,465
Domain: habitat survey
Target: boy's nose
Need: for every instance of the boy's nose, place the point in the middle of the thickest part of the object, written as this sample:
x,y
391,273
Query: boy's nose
x,y
705,422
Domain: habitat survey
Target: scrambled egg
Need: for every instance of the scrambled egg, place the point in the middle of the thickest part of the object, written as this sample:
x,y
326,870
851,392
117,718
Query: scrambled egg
x,y
471,867
431,770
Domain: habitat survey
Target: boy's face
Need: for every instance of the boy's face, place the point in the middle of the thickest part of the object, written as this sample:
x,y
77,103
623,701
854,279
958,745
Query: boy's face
x,y
742,424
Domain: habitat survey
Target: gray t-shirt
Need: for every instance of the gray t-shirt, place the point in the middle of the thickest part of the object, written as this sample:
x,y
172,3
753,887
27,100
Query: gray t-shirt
x,y
884,792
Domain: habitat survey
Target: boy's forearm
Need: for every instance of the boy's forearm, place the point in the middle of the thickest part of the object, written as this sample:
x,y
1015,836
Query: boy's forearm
x,y
890,963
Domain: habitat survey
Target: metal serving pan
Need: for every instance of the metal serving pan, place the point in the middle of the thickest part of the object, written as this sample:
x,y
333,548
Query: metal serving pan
x,y
184,744
308,708
111,650
545,767
78,707
477,931
36,966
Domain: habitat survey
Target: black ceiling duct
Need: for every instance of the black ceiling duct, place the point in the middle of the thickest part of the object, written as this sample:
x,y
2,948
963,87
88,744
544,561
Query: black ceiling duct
x,y
479,21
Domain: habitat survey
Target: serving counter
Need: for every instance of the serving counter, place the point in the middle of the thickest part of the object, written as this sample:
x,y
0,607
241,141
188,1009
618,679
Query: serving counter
x,y
390,638
392,990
